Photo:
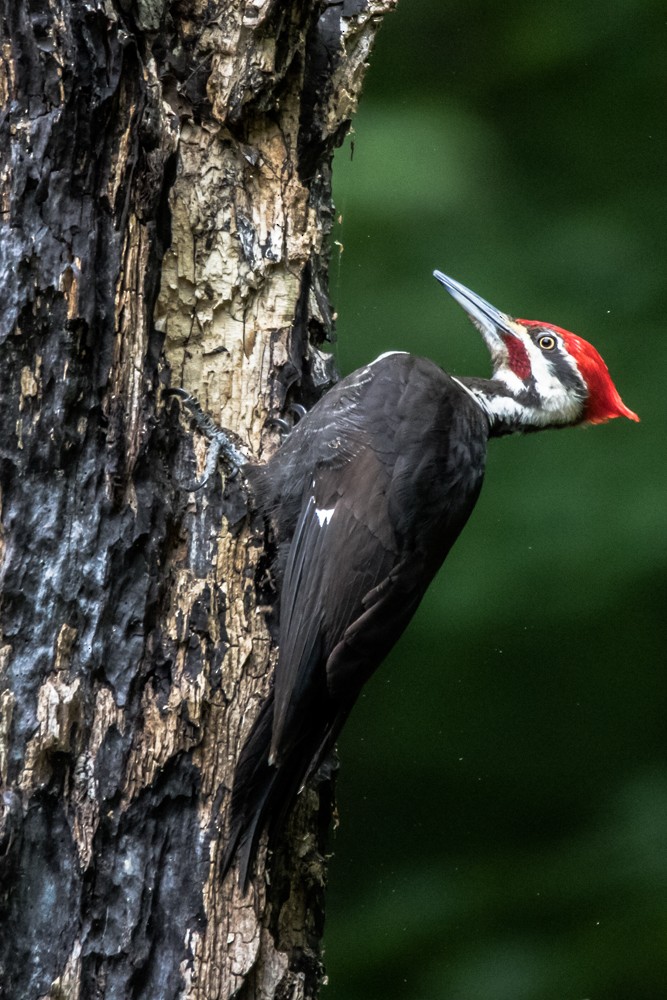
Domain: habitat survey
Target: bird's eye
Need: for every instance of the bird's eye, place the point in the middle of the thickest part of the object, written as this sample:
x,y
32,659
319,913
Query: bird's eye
x,y
547,342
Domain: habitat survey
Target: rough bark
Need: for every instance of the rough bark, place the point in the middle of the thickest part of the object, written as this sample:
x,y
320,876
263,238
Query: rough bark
x,y
165,192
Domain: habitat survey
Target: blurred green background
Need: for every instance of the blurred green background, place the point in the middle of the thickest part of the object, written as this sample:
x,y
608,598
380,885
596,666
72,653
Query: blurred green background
x,y
503,790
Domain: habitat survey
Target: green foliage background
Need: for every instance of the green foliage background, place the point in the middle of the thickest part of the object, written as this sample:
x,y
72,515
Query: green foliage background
x,y
503,791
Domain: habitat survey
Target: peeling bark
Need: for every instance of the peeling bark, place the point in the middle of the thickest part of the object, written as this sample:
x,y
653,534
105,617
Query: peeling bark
x,y
165,210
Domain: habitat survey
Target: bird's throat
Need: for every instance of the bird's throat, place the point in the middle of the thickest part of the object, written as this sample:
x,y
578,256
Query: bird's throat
x,y
514,407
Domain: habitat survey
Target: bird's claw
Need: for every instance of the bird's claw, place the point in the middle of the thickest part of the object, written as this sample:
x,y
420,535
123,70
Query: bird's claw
x,y
298,410
222,445
283,425
278,422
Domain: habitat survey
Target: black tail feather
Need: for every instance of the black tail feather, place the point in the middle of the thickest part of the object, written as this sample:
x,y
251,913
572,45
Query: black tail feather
x,y
261,796
251,794
263,793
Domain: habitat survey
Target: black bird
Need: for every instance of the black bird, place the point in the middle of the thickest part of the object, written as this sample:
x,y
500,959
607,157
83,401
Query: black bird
x,y
367,496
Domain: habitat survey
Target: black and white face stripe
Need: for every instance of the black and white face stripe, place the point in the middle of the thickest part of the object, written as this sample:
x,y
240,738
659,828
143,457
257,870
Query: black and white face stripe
x,y
536,382
559,385
554,351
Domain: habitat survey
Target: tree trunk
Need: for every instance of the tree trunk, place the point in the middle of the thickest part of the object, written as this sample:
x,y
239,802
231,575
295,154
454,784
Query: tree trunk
x,y
166,204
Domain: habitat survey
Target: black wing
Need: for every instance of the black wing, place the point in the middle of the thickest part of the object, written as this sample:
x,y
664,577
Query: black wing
x,y
373,529
344,549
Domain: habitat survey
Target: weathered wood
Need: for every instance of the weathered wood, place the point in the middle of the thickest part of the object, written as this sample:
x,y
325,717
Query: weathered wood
x,y
166,206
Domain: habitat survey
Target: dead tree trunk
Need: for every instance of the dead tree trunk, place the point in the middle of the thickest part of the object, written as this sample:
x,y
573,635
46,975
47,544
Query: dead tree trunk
x,y
166,203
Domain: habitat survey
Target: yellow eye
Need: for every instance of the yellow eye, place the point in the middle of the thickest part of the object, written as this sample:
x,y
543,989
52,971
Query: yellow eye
x,y
547,342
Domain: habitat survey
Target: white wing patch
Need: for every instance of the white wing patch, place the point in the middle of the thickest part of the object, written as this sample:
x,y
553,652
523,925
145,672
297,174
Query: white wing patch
x,y
324,516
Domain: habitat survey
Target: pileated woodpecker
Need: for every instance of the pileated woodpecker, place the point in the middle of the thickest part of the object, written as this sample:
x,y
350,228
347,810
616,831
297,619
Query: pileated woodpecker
x,y
367,496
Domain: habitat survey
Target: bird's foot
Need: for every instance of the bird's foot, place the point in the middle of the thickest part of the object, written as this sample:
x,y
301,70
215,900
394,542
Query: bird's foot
x,y
225,444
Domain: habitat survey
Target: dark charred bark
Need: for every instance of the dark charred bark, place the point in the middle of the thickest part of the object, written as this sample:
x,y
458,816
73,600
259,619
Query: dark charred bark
x,y
165,186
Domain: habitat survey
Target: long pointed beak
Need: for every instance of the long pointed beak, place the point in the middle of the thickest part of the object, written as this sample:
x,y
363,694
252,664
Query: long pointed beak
x,y
491,323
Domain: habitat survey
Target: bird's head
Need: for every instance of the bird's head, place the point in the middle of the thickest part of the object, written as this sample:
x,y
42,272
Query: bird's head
x,y
546,376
